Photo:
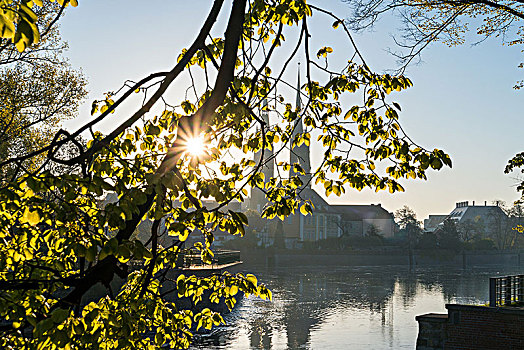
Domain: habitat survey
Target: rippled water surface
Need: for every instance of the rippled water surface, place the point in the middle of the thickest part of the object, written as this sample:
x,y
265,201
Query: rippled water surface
x,y
346,307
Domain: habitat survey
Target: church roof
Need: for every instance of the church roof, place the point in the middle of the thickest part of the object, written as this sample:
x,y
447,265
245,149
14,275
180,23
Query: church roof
x,y
348,212
362,212
319,203
212,204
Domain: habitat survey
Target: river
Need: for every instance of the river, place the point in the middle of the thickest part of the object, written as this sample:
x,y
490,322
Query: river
x,y
346,307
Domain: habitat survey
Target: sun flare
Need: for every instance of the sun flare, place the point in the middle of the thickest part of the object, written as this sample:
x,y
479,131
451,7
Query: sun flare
x,y
196,146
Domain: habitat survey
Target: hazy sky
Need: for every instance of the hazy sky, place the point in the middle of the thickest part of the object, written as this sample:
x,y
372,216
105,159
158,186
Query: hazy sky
x,y
462,100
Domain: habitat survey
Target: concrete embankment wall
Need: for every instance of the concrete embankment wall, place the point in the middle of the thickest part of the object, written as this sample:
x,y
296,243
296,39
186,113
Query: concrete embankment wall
x,y
386,257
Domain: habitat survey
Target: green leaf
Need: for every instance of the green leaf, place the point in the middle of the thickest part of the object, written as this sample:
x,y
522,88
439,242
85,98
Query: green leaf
x,y
123,253
59,315
91,253
141,252
436,163
94,107
104,252
153,130
43,326
397,106
159,339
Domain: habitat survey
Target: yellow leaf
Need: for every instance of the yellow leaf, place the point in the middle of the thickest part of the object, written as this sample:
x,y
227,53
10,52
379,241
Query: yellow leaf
x,y
32,218
7,28
304,210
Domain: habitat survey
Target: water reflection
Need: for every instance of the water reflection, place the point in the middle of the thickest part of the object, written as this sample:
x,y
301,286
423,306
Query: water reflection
x,y
346,308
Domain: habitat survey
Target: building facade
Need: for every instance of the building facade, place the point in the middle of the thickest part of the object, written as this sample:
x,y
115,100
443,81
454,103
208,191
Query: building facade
x,y
327,220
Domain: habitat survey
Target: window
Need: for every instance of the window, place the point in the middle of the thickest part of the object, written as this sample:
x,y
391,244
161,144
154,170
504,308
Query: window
x,y
309,220
332,221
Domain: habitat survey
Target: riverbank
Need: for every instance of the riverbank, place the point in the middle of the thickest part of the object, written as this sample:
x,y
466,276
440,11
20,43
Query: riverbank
x,y
441,257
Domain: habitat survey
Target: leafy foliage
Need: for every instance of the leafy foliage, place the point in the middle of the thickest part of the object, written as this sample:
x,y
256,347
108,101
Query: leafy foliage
x,y
34,101
446,21
19,21
410,227
406,216
59,241
471,229
514,163
38,91
448,235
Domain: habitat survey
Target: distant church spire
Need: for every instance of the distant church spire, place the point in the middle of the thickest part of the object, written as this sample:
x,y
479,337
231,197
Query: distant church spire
x,y
298,103
300,154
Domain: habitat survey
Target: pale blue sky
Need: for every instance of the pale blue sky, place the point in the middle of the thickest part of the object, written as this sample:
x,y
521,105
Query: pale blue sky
x,y
462,100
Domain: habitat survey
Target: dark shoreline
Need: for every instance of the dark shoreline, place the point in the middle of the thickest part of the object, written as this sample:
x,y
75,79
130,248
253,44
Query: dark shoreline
x,y
281,257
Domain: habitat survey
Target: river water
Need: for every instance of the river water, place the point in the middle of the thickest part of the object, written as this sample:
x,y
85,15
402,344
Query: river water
x,y
347,307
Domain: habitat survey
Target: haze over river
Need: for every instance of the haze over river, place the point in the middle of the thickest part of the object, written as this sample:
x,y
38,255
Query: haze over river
x,y
347,307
